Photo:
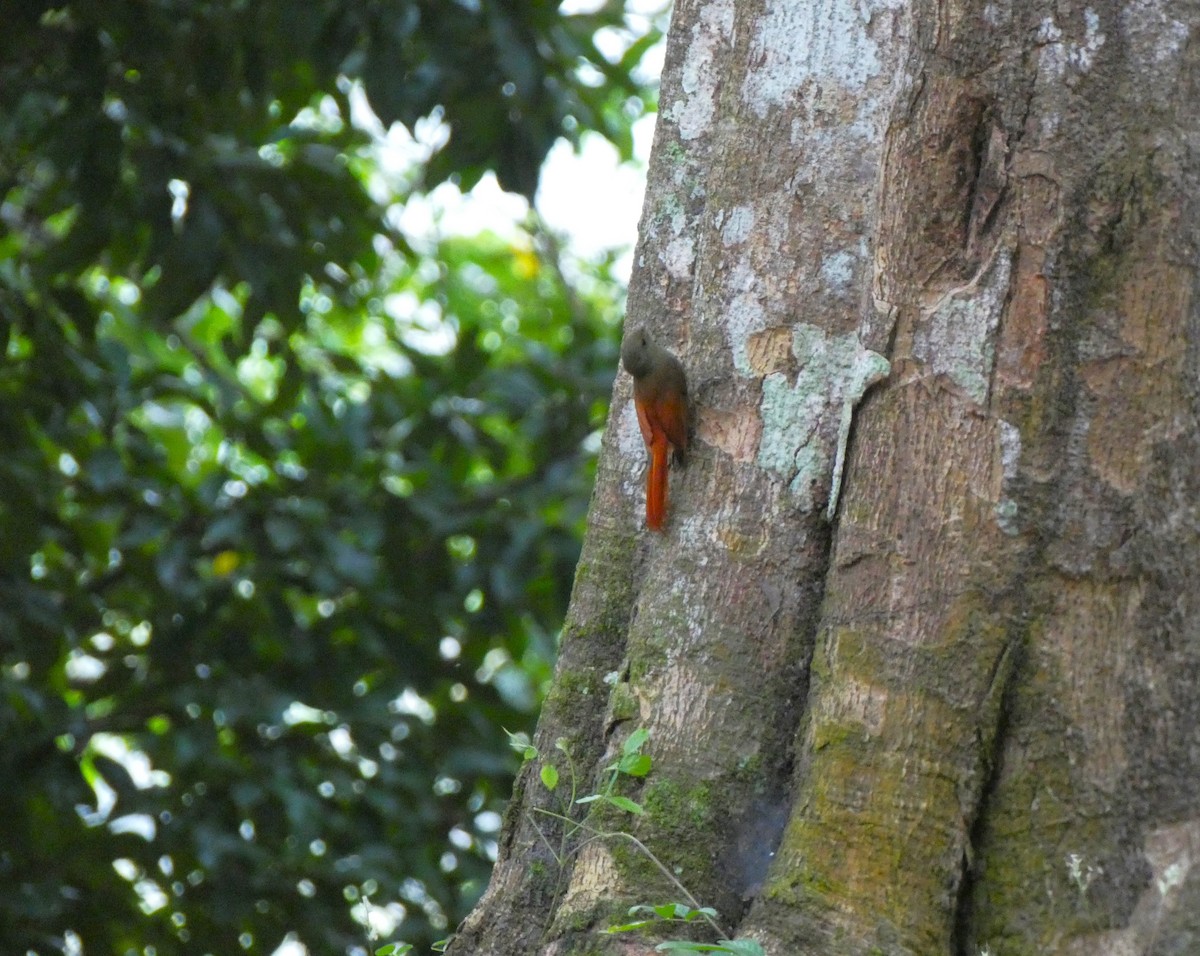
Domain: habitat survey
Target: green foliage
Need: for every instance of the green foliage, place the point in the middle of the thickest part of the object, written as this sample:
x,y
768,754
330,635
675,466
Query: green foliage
x,y
394,949
399,949
290,513
633,763
575,834
736,947
664,912
669,913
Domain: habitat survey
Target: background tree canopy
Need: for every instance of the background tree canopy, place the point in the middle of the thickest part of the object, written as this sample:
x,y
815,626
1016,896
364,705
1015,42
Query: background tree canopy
x,y
291,508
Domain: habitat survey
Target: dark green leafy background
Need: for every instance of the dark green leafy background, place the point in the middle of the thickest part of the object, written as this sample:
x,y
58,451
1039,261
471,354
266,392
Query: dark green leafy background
x,y
290,512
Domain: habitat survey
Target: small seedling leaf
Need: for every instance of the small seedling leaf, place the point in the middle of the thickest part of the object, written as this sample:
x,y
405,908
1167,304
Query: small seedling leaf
x,y
631,927
624,803
635,741
520,743
636,765
549,776
743,947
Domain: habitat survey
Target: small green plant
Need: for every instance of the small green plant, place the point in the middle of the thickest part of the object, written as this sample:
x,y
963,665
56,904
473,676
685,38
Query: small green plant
x,y
399,949
681,913
664,913
631,763
577,834
738,947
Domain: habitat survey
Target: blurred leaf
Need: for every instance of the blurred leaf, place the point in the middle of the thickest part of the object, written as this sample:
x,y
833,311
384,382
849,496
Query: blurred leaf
x,y
291,513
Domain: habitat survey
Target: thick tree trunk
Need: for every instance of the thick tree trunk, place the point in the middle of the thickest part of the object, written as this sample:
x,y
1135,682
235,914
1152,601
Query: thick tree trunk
x,y
956,707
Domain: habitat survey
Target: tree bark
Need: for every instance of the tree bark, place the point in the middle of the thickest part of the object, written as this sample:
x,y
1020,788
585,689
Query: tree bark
x,y
918,651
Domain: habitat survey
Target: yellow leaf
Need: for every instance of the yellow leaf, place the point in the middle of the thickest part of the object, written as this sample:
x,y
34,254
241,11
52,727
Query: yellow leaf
x,y
525,264
225,563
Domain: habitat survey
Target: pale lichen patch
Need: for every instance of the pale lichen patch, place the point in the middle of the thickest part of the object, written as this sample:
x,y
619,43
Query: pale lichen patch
x,y
745,314
736,226
1009,441
801,440
694,112
632,450
837,270
868,368
1083,55
1051,57
800,44
679,257
1153,34
958,338
1010,449
790,414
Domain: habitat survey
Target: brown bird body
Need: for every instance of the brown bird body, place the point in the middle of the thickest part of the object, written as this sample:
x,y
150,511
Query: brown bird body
x,y
660,397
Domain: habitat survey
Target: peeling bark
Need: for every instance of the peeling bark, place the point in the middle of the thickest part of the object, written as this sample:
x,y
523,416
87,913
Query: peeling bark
x,y
955,707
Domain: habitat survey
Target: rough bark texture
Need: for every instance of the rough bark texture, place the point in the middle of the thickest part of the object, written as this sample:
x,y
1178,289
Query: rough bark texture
x,y
955,709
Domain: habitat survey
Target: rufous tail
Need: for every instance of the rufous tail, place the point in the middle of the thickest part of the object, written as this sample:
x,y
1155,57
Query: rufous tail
x,y
656,484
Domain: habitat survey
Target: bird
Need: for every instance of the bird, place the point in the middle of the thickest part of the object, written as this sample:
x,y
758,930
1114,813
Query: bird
x,y
660,397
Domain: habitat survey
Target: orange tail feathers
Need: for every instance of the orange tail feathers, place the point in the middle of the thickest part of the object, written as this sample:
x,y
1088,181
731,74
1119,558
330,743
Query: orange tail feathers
x,y
656,484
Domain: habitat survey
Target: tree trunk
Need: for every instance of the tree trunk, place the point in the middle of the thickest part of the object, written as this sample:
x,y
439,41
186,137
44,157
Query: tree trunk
x,y
919,652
